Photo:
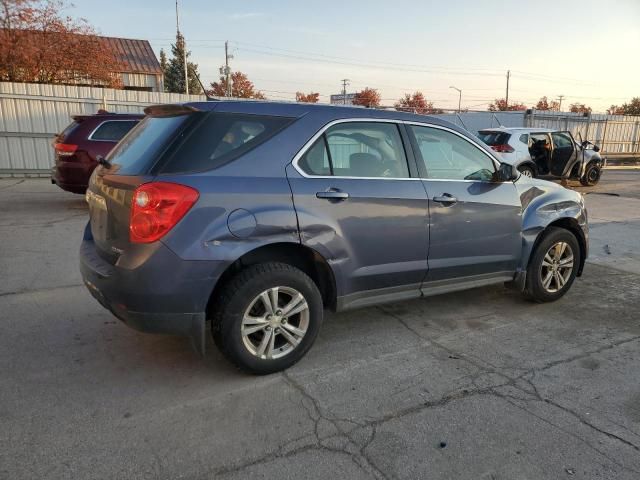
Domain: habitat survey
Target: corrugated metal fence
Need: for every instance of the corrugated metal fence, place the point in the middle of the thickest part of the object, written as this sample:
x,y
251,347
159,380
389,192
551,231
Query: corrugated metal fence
x,y
31,114
474,121
617,135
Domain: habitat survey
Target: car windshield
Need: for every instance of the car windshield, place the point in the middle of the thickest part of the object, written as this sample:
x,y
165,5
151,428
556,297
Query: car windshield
x,y
494,138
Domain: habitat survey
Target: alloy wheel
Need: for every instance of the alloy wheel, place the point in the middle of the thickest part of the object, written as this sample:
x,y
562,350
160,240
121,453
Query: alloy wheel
x,y
556,267
275,323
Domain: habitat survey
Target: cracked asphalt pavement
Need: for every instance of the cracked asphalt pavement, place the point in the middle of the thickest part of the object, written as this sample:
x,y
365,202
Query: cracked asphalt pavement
x,y
474,385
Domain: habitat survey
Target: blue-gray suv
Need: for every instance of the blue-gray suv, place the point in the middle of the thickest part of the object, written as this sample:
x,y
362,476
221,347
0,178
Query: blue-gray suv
x,y
258,216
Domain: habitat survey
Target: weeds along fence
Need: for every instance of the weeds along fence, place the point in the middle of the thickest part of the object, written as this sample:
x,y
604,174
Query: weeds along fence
x,y
31,115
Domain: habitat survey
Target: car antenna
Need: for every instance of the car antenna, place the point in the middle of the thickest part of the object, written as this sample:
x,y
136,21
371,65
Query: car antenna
x,y
204,90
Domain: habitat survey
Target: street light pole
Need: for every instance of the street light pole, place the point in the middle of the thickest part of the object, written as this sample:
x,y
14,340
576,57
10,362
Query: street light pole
x,y
459,97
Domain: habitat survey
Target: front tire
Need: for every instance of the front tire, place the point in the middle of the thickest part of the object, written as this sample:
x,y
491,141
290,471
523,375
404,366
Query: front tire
x,y
267,317
553,266
591,176
527,171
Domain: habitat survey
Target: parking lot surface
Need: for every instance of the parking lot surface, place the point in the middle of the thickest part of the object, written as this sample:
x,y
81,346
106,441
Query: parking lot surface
x,y
473,385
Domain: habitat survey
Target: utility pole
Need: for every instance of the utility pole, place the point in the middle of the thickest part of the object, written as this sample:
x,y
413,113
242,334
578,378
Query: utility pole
x,y
345,82
506,99
226,70
560,97
459,97
184,51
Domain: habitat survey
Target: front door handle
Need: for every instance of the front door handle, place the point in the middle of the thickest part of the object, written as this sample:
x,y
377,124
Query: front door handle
x,y
445,199
333,194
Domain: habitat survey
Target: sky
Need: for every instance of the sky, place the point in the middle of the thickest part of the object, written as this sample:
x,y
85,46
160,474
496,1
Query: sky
x,y
583,49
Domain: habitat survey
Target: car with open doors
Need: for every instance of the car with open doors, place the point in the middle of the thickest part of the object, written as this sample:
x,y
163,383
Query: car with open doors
x,y
256,217
540,152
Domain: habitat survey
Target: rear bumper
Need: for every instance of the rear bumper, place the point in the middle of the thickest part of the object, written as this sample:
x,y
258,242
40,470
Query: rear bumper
x,y
73,175
154,292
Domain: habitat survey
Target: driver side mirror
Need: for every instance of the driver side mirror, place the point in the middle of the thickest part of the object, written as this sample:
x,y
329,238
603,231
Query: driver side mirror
x,y
505,173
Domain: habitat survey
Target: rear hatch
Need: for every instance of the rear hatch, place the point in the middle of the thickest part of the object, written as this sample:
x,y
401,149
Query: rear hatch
x,y
172,139
131,164
63,143
497,140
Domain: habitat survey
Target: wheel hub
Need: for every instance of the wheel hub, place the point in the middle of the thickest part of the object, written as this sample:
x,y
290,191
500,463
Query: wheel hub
x,y
275,323
556,267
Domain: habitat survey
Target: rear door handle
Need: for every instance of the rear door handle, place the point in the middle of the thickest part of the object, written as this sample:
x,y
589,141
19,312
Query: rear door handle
x,y
333,194
445,199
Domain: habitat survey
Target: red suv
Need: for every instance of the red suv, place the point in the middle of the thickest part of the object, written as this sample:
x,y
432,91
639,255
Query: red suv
x,y
82,142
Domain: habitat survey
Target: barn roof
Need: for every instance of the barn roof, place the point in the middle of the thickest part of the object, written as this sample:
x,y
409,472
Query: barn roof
x,y
135,56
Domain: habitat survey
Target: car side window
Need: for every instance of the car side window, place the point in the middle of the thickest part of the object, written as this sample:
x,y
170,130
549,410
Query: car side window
x,y
316,160
561,140
113,131
524,138
446,155
358,149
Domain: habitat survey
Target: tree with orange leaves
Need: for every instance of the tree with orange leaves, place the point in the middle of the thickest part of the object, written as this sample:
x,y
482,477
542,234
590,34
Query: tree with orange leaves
x,y
500,105
39,44
312,97
241,87
369,97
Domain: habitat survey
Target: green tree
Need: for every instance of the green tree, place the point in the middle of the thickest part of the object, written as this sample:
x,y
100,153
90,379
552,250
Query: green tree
x,y
174,69
163,60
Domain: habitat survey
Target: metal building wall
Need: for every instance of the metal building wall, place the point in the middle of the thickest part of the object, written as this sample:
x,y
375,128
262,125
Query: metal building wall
x,y
31,114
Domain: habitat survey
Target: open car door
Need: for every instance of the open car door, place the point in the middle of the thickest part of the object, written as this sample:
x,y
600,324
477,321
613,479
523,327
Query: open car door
x,y
564,154
540,151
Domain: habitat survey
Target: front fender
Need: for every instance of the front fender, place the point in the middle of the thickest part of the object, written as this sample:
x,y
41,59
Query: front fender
x,y
546,204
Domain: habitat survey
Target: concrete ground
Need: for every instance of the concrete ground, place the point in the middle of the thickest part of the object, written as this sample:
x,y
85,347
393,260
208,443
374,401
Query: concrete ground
x,y
474,385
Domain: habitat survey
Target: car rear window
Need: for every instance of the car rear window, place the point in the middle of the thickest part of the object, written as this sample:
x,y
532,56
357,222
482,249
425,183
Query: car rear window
x,y
494,138
112,130
219,138
139,150
68,130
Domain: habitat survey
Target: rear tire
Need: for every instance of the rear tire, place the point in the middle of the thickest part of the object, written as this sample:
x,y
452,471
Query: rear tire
x,y
591,176
553,266
527,171
267,317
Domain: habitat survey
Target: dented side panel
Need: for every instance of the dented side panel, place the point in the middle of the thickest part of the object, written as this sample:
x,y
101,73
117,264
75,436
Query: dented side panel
x,y
376,239
544,203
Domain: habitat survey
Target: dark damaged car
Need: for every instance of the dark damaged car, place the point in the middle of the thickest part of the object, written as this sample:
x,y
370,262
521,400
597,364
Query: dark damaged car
x,y
255,217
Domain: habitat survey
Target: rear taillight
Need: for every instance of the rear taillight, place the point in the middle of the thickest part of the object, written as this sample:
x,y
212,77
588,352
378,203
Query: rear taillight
x,y
65,149
156,208
503,148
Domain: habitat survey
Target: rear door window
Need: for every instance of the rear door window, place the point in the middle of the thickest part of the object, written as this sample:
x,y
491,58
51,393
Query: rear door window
x,y
561,140
358,149
494,138
112,130
218,139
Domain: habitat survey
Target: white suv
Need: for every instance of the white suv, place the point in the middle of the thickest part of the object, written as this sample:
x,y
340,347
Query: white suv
x,y
545,152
